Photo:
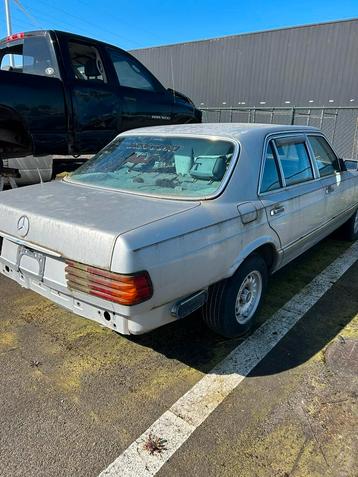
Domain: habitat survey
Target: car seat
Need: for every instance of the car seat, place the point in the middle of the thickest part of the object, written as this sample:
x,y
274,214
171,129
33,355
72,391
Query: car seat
x,y
91,69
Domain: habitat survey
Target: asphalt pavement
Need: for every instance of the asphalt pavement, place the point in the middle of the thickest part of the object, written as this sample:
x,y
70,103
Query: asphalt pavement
x,y
74,396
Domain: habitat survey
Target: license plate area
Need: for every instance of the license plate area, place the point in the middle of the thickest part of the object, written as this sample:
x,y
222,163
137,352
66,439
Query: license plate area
x,y
30,261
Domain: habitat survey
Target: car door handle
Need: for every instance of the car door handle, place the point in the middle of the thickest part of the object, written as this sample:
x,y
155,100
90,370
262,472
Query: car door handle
x,y
329,189
277,210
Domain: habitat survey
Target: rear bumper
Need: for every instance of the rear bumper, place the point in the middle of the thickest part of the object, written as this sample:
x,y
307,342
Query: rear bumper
x,y
103,312
45,275
80,307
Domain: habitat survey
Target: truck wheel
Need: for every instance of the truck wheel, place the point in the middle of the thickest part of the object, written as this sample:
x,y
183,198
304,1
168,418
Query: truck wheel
x,y
233,303
350,228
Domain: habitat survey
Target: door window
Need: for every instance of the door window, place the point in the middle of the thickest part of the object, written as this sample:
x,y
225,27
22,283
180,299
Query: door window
x,y
130,73
270,177
294,159
326,159
86,62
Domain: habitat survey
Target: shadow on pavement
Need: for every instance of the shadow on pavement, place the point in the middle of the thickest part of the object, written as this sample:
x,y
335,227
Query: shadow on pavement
x,y
192,343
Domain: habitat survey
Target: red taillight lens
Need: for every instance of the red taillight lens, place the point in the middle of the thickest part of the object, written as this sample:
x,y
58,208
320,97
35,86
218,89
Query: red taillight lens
x,y
122,289
15,36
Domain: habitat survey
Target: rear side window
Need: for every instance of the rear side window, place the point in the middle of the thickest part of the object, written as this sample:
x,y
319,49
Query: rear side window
x,y
270,177
86,62
130,73
31,55
326,159
294,159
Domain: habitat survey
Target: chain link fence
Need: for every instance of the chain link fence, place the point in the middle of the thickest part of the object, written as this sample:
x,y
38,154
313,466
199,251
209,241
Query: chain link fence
x,y
340,124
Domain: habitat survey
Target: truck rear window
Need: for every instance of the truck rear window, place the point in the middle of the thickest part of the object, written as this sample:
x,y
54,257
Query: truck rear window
x,y
167,166
30,55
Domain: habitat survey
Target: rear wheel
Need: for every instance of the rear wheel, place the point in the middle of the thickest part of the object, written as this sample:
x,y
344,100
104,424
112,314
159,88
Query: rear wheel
x,y
233,303
350,228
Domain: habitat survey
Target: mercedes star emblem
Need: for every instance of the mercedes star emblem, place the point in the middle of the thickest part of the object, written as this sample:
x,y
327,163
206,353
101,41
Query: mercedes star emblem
x,y
23,226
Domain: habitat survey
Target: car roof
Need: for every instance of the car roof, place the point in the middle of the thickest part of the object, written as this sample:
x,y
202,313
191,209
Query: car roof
x,y
59,33
236,131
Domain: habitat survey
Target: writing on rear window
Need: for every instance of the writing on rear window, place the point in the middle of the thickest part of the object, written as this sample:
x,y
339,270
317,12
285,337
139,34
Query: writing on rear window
x,y
153,147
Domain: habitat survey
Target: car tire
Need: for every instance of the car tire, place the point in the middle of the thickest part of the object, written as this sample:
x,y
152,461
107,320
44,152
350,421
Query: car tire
x,y
233,303
350,228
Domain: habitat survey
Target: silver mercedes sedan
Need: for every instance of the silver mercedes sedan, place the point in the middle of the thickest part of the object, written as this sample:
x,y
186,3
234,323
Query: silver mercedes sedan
x,y
167,220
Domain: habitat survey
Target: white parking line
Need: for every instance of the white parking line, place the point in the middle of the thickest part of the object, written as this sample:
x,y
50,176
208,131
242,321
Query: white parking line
x,y
177,424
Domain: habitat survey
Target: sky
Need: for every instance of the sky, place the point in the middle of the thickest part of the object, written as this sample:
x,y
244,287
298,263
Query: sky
x,y
133,24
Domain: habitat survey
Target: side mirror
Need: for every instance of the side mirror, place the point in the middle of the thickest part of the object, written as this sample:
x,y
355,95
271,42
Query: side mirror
x,y
342,164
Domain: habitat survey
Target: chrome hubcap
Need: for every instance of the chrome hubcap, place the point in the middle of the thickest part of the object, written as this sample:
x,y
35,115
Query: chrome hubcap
x,y
248,297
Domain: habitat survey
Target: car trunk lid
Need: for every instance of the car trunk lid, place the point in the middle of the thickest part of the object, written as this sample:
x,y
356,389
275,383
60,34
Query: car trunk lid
x,y
78,222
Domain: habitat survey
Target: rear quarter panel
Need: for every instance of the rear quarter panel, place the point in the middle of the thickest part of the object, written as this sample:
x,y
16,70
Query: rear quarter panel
x,y
191,252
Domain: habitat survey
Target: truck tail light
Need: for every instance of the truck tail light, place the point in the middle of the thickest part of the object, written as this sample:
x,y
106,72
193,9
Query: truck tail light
x,y
122,289
15,36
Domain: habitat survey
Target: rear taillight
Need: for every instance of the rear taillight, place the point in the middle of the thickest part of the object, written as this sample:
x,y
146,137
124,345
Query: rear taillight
x,y
122,289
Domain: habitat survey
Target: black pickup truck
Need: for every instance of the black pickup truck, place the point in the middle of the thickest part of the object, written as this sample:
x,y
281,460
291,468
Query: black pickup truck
x,y
61,93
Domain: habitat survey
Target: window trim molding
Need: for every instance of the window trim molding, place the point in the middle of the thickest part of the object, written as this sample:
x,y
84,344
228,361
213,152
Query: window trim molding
x,y
282,177
221,189
278,168
333,174
286,134
313,169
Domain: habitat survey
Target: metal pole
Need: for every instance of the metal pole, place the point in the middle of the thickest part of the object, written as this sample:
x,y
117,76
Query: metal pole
x,y
321,119
335,125
293,116
8,27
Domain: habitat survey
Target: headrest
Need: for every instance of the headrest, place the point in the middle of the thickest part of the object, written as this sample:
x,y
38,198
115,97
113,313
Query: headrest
x,y
91,69
210,168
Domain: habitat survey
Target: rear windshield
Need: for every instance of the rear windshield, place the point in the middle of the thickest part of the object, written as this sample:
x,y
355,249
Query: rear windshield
x,y
30,55
161,166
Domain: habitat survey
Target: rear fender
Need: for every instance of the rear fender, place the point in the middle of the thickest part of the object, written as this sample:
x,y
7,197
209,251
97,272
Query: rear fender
x,y
254,246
